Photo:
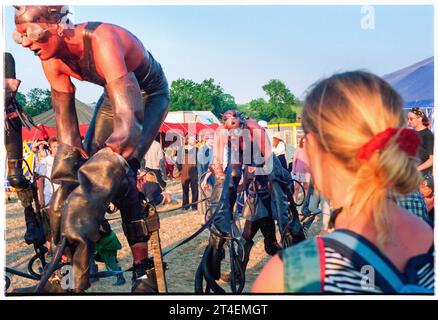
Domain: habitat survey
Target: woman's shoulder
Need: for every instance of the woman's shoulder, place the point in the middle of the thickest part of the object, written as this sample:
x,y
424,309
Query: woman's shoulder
x,y
406,225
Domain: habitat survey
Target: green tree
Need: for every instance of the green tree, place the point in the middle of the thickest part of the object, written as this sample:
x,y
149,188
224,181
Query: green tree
x,y
186,94
282,100
281,107
245,109
38,101
262,109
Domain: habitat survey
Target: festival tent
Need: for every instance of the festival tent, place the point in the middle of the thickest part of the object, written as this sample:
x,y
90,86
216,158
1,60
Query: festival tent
x,y
204,117
178,121
415,83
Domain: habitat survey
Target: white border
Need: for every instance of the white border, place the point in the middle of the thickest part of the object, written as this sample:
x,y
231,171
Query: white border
x,y
254,298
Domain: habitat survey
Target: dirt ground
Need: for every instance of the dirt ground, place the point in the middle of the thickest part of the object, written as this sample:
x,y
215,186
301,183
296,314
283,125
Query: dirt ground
x,y
175,226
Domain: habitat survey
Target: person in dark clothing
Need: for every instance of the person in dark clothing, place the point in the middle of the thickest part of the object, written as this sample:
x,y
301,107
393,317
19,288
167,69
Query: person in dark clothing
x,y
258,213
152,190
418,120
189,173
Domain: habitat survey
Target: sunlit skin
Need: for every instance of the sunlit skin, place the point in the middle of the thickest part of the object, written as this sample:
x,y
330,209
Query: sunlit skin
x,y
332,180
116,52
415,121
258,135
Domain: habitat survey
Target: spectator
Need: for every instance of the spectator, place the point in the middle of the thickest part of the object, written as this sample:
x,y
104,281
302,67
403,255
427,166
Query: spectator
x,y
152,191
300,168
354,129
427,191
205,159
414,203
205,177
105,251
264,125
44,168
279,148
418,120
41,150
189,173
152,161
45,187
315,204
169,162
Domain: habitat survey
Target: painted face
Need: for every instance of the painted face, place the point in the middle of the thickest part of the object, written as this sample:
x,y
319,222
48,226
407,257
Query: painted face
x,y
40,38
231,120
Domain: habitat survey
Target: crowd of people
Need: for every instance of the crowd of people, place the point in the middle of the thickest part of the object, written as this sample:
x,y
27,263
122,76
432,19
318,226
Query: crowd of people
x,y
361,162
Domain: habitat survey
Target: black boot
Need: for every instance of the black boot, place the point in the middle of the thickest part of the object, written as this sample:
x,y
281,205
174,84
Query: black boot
x,y
144,279
247,246
34,230
271,247
217,254
267,227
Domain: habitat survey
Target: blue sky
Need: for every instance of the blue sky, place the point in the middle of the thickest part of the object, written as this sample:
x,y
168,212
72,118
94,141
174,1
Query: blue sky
x,y
243,47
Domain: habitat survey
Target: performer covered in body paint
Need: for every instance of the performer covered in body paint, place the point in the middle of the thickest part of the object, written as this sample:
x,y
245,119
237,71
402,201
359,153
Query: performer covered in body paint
x,y
248,145
15,118
126,120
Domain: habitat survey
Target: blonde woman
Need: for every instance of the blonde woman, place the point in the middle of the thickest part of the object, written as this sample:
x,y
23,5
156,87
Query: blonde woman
x,y
152,190
359,150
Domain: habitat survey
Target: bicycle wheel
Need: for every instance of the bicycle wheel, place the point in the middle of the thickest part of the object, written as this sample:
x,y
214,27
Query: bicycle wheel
x,y
301,196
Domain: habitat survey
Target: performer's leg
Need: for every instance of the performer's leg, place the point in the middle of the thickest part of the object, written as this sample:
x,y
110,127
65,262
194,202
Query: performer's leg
x,y
194,187
185,182
249,231
104,177
267,226
222,223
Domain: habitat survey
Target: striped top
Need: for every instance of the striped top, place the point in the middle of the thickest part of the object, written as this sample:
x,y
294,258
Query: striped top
x,y
340,271
342,276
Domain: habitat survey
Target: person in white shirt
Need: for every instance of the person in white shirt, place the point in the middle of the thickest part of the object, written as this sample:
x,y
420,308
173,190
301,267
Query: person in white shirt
x,y
152,161
45,189
45,169
279,148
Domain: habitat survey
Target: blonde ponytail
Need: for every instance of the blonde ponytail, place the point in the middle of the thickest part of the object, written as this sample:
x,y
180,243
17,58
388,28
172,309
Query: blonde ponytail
x,y
345,112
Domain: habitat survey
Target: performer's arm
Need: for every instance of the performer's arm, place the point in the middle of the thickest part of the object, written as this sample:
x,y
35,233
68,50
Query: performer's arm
x,y
70,152
63,101
220,139
123,91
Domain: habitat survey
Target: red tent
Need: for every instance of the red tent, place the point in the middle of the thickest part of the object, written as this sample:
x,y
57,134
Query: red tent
x,y
44,132
178,128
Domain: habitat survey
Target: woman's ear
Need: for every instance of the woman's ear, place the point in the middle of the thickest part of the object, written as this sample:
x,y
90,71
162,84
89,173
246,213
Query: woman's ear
x,y
315,154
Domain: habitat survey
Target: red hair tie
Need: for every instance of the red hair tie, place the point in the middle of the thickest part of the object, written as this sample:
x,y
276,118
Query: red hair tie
x,y
407,140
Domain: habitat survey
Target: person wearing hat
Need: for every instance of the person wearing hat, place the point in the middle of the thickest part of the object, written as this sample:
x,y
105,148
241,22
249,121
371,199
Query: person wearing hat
x,y
279,148
427,191
126,120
